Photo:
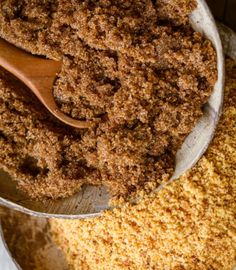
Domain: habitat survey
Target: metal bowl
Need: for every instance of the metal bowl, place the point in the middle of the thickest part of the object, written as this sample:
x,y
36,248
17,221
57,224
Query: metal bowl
x,y
90,201
28,233
7,262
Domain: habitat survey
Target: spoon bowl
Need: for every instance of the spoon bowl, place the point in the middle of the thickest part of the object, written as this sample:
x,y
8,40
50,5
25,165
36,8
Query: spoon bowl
x,y
39,75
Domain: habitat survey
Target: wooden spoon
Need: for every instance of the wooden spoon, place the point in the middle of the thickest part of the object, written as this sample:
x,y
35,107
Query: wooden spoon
x,y
39,75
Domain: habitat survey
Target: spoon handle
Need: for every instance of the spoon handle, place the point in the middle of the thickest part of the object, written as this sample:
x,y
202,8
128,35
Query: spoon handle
x,y
26,67
39,75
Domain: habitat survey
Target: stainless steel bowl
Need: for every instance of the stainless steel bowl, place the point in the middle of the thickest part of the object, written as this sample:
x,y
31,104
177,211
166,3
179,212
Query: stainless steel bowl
x,y
7,262
91,200
29,233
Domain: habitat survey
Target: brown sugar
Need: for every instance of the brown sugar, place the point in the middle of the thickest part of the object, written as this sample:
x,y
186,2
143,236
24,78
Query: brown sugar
x,y
42,154
188,225
136,65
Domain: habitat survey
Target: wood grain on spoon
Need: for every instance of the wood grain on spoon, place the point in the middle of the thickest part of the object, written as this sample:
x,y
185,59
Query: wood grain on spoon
x,y
39,75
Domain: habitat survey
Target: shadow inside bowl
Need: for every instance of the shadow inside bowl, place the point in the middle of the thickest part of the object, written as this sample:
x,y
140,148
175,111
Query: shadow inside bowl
x,y
89,202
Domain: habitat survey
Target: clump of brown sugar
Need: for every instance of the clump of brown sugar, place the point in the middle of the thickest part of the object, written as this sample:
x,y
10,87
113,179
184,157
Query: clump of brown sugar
x,y
188,225
136,65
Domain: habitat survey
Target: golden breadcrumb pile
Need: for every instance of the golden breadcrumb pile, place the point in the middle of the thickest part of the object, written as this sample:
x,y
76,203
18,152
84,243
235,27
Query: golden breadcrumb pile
x,y
190,224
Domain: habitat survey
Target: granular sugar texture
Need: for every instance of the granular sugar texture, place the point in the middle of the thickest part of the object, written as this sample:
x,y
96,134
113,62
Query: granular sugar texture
x,y
188,225
137,66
